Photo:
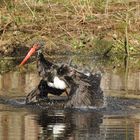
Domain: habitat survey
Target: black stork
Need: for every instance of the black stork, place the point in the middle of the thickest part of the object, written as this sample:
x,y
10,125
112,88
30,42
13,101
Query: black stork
x,y
50,82
84,89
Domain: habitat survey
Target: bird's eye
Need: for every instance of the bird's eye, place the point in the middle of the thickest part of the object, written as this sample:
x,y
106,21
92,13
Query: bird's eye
x,y
39,51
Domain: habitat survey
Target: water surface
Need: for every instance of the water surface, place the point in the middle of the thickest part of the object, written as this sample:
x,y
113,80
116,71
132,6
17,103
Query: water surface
x,y
118,120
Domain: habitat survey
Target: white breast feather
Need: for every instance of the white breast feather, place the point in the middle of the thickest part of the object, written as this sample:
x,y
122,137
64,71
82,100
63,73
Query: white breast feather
x,y
57,83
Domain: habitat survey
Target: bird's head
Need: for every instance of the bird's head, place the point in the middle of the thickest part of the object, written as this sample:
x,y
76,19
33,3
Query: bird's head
x,y
65,70
37,47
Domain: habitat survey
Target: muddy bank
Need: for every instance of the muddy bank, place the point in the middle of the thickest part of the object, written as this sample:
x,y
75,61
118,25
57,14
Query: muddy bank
x,y
71,26
13,50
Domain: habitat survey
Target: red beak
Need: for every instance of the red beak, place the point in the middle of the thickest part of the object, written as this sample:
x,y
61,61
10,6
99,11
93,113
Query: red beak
x,y
30,53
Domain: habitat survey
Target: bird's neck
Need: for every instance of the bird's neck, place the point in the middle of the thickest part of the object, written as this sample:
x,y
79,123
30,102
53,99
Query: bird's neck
x,y
41,58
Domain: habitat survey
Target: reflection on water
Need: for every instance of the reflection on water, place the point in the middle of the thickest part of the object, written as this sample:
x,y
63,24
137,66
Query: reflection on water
x,y
111,82
18,83
67,125
119,122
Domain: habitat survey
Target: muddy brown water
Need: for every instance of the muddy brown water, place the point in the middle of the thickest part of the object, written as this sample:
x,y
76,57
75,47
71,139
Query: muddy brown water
x,y
119,119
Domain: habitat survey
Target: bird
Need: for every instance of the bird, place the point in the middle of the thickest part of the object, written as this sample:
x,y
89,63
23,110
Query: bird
x,y
50,82
83,88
